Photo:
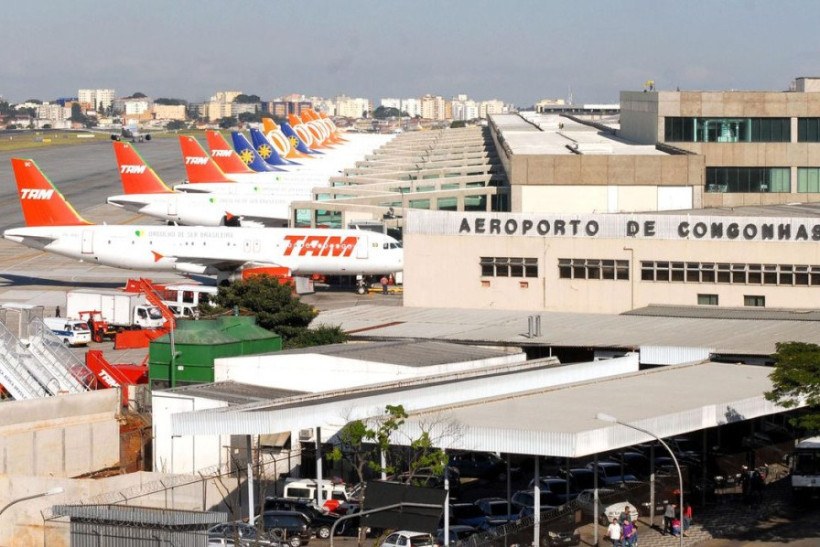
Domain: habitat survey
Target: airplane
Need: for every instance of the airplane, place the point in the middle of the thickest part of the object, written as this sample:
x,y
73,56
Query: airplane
x,y
284,144
250,155
54,226
267,150
146,193
131,133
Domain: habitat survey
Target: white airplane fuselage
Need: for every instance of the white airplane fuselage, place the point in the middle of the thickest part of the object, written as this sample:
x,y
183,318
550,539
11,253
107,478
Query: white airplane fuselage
x,y
210,209
220,251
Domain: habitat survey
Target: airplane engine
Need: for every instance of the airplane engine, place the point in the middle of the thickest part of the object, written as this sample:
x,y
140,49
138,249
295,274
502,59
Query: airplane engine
x,y
148,137
115,137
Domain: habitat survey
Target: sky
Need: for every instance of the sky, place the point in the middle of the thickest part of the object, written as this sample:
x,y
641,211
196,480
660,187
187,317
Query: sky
x,y
517,51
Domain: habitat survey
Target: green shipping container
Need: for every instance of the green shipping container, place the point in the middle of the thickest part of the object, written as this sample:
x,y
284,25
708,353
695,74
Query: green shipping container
x,y
198,343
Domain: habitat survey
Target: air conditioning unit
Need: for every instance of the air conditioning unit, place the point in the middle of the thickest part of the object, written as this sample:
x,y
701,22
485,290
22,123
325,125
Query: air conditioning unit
x,y
305,435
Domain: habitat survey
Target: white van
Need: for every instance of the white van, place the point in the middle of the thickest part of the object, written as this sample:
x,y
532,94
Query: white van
x,y
72,332
333,494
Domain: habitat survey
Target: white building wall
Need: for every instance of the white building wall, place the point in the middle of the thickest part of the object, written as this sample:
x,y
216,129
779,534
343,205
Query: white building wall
x,y
184,454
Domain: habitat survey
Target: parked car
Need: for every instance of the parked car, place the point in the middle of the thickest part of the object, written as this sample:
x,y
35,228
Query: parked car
x,y
458,533
635,463
231,532
468,514
320,522
406,538
523,501
558,486
610,473
613,511
497,511
291,527
481,465
585,499
581,478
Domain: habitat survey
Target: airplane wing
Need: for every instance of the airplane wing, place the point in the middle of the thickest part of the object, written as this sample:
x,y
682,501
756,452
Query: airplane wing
x,y
199,264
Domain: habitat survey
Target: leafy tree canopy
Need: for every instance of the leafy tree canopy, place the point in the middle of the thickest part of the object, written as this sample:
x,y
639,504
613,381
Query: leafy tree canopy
x,y
384,112
138,95
227,122
174,125
277,309
796,378
249,117
171,102
243,98
33,101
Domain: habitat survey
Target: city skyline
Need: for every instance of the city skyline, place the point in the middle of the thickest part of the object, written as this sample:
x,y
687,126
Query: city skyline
x,y
519,54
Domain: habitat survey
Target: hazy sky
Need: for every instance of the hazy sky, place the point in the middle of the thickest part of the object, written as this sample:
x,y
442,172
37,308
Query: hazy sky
x,y
517,51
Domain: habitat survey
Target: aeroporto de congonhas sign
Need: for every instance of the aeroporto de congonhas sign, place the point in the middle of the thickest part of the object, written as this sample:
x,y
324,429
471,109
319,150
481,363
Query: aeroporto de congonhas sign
x,y
610,226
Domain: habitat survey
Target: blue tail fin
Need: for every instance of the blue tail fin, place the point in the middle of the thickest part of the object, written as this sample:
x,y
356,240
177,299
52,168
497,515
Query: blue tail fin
x,y
249,154
265,149
298,143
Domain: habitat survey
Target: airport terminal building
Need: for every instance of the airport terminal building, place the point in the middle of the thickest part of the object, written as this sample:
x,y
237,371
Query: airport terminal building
x,y
612,263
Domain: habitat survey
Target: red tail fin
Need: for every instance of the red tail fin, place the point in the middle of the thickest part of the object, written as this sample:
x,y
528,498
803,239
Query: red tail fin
x,y
198,165
137,177
42,203
225,157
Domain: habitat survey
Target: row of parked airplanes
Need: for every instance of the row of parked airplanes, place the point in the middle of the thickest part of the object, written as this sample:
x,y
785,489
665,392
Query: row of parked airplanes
x,y
222,194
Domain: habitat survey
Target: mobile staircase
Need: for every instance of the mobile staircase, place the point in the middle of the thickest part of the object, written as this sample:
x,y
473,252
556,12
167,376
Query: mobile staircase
x,y
14,375
53,364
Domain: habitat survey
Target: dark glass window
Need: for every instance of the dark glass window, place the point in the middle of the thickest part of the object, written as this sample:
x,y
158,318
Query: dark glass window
x,y
688,129
808,129
502,266
748,179
707,300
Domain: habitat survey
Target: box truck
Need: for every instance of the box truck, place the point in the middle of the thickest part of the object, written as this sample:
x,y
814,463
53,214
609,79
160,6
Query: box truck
x,y
119,309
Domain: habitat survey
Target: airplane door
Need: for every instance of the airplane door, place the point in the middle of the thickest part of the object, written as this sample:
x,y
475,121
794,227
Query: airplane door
x,y
88,242
363,247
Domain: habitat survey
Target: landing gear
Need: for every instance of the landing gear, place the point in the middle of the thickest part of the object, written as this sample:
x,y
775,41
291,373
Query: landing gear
x,y
361,284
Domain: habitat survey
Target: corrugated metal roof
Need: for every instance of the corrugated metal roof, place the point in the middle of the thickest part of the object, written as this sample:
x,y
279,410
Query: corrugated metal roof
x,y
785,210
234,393
411,353
714,312
128,514
560,421
505,327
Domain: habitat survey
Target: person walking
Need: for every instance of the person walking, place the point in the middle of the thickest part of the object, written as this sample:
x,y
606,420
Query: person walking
x,y
613,532
384,282
628,532
668,515
687,518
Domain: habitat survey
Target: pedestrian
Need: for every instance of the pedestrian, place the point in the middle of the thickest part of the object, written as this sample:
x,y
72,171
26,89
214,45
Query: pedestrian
x,y
57,312
384,282
628,532
676,527
613,532
624,516
687,518
668,515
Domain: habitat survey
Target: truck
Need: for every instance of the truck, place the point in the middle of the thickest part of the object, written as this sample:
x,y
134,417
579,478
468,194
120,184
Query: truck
x,y
805,469
121,310
72,332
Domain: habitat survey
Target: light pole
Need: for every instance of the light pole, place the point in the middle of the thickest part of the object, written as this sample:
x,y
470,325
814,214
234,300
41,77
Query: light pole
x,y
612,419
54,491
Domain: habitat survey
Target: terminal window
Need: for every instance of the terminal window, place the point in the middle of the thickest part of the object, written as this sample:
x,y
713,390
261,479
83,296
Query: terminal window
x,y
748,180
593,268
808,129
731,273
686,129
505,266
707,300
754,301
808,180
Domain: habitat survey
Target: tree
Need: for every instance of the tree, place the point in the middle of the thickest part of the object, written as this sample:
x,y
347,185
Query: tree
x,y
171,102
796,379
276,309
362,443
246,117
175,125
77,114
138,95
242,98
455,124
227,122
384,112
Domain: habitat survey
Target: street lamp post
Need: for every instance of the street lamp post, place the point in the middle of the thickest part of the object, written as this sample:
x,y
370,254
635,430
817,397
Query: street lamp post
x,y
52,492
612,419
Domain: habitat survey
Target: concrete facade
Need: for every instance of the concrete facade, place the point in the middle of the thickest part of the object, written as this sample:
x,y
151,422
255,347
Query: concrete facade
x,y
644,114
62,436
435,276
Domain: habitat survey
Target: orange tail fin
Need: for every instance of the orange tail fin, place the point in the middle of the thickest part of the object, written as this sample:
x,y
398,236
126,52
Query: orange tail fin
x,y
225,157
137,177
42,203
199,166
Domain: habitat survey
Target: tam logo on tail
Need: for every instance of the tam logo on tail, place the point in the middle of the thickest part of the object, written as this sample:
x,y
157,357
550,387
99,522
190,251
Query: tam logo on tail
x,y
35,193
132,169
221,153
194,160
